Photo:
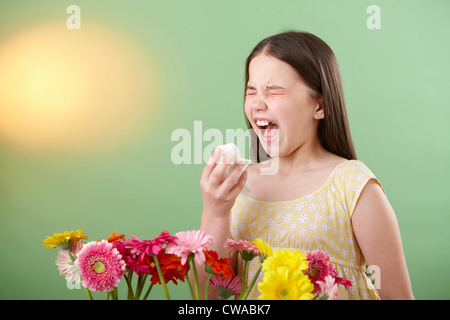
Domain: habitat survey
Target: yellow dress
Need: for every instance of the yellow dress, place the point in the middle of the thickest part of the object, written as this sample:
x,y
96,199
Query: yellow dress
x,y
318,220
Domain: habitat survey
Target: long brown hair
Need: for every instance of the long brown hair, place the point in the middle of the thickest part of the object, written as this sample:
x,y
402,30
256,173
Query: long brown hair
x,y
317,65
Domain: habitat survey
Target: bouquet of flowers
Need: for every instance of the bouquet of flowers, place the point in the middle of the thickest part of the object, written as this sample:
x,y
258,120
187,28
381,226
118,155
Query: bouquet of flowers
x,y
101,265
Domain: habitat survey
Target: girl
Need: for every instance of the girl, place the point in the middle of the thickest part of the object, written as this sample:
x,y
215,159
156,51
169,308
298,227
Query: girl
x,y
320,196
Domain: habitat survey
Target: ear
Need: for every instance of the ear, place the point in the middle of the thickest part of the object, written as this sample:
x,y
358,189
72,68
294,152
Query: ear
x,y
319,113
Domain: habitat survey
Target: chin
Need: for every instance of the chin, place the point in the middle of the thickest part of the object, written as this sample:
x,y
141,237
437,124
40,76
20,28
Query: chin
x,y
273,151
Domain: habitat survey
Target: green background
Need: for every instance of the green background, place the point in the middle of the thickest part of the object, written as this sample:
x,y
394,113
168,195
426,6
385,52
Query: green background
x,y
396,82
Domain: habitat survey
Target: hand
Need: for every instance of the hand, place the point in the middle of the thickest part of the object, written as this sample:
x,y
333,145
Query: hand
x,y
219,192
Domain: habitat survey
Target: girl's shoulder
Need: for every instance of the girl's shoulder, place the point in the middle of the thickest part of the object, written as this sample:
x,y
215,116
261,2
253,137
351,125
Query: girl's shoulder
x,y
353,169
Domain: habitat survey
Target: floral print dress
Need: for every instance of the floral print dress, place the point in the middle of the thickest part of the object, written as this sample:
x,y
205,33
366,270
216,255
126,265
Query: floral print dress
x,y
319,220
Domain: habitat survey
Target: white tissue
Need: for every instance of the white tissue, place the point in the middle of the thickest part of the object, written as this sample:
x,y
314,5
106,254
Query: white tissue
x,y
233,150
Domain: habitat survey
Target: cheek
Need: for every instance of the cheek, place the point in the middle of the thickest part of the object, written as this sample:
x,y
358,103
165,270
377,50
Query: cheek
x,y
247,109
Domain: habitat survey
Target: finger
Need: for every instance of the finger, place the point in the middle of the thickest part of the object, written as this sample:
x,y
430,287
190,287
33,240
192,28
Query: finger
x,y
211,164
218,174
233,177
239,186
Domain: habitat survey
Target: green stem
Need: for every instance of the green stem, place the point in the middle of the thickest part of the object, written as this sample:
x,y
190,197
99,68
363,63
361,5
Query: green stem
x,y
161,277
188,278
244,279
148,291
107,295
140,285
113,294
207,286
89,294
130,294
250,287
194,271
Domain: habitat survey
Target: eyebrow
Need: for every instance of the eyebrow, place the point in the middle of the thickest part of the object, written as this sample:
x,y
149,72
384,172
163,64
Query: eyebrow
x,y
274,87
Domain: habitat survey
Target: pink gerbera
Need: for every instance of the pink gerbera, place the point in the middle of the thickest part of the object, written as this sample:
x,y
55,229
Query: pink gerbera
x,y
66,265
329,288
247,250
143,247
101,266
190,242
226,287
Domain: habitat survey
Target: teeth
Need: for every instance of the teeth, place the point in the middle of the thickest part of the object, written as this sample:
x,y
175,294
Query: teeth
x,y
262,123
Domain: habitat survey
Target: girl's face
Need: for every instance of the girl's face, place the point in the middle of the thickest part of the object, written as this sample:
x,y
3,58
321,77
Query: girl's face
x,y
279,106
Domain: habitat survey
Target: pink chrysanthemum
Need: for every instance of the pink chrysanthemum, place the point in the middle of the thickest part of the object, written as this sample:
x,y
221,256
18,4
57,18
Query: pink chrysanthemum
x,y
143,247
329,287
66,265
101,266
339,280
132,261
190,242
247,250
226,287
318,267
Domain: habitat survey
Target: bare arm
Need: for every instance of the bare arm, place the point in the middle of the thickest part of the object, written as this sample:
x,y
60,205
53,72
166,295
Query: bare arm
x,y
218,196
378,235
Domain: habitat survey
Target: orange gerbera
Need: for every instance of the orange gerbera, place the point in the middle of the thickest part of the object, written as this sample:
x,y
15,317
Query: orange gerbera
x,y
218,266
115,238
171,268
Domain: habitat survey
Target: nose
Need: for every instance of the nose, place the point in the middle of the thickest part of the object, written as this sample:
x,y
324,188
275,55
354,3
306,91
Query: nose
x,y
258,104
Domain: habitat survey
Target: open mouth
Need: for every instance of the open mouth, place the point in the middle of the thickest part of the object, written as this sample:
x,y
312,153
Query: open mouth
x,y
267,129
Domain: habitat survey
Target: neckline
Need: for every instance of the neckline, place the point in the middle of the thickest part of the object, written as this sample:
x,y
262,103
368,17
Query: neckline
x,y
327,181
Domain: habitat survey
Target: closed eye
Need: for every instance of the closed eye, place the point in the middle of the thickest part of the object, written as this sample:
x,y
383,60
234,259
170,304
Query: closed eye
x,y
276,92
250,91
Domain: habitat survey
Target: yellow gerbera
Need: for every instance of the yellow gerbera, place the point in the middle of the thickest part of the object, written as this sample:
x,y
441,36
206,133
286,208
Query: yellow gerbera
x,y
263,247
293,259
64,240
284,283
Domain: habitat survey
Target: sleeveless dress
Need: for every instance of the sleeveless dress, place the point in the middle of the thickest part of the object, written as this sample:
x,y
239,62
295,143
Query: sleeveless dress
x,y
318,220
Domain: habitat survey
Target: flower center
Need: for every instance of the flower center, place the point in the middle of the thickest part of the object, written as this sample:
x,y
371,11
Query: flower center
x,y
99,267
313,272
284,293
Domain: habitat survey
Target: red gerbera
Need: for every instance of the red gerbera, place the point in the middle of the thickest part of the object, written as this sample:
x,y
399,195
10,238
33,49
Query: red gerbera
x,y
219,266
171,268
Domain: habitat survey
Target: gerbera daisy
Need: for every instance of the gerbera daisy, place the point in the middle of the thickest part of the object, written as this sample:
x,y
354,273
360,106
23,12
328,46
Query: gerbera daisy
x,y
226,288
339,280
64,240
263,248
171,268
247,250
328,288
142,247
318,267
101,266
284,283
217,266
132,261
190,242
292,259
66,265
116,238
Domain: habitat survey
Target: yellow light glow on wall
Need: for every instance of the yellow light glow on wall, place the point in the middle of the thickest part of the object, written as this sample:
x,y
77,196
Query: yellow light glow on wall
x,y
74,90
